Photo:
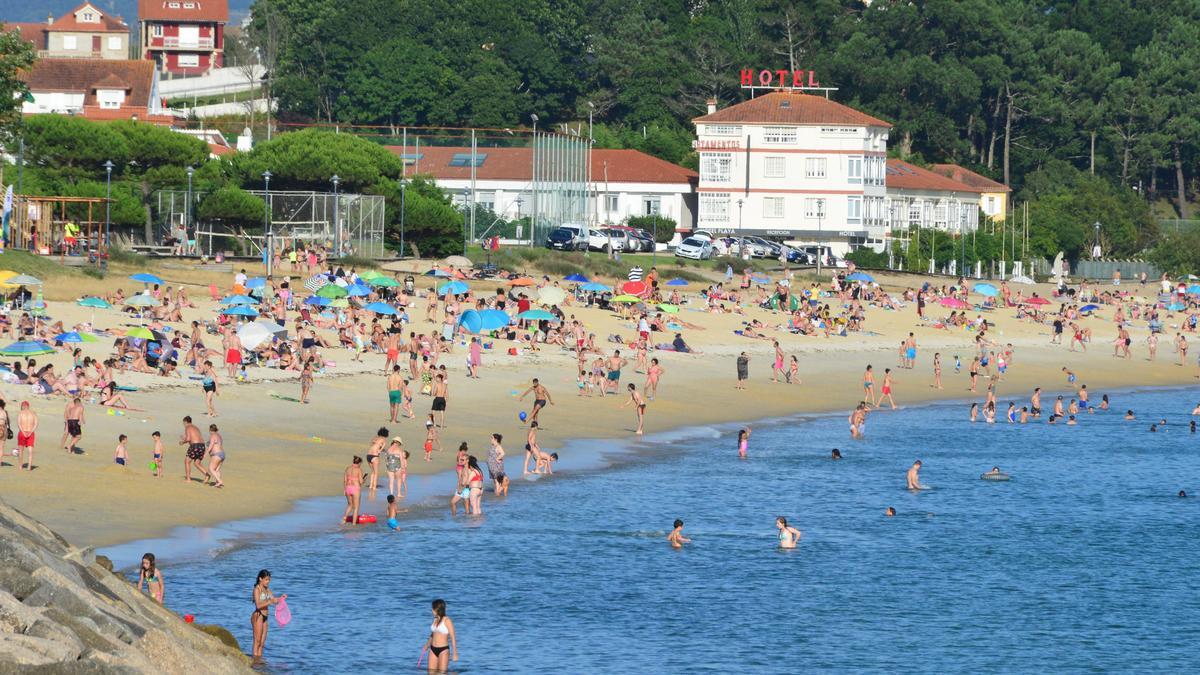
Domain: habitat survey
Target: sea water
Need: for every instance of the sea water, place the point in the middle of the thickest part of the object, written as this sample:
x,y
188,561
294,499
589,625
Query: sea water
x,y
1085,561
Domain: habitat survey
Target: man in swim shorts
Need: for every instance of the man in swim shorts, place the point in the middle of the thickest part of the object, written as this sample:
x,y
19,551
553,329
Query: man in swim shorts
x,y
914,476
614,364
541,397
440,391
27,424
73,417
196,449
395,387
233,352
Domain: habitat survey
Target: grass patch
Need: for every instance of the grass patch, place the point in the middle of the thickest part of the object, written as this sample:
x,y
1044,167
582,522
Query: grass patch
x,y
93,272
121,256
357,262
533,261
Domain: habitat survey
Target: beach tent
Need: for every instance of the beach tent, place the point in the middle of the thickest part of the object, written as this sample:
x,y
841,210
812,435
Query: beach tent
x,y
494,319
576,277
471,321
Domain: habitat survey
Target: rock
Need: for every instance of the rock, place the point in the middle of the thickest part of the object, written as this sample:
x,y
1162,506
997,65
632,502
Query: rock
x,y
219,632
63,610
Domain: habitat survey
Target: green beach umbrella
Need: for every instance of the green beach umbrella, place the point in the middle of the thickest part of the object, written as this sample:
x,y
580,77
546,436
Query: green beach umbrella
x,y
371,274
669,308
332,291
340,303
626,298
383,282
140,332
94,303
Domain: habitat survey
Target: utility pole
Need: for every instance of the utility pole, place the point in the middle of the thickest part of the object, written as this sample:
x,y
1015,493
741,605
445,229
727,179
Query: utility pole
x,y
108,167
337,227
266,175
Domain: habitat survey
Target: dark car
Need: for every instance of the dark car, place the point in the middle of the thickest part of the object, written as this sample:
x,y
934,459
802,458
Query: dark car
x,y
562,239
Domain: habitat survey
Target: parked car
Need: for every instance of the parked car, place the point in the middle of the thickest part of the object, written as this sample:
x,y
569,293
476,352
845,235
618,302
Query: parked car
x,y
695,248
828,259
753,248
566,239
646,242
597,239
799,257
609,239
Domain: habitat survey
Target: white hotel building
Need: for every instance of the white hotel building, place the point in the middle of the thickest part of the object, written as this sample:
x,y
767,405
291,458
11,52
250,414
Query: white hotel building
x,y
793,166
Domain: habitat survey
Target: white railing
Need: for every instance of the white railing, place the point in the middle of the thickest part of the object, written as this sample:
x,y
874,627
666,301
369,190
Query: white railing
x,y
176,43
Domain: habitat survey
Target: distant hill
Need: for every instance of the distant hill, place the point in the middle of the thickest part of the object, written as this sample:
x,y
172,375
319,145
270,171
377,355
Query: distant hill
x,y
23,10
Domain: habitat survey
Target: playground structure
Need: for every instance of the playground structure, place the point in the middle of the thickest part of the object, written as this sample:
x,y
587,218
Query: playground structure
x,y
297,218
39,223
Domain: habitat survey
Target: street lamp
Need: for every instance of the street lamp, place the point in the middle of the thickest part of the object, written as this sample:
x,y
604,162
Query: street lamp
x,y
402,185
654,251
741,237
108,167
337,226
466,204
266,175
187,210
1096,248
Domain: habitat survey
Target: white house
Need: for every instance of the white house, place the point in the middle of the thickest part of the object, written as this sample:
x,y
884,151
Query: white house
x,y
624,183
919,197
793,166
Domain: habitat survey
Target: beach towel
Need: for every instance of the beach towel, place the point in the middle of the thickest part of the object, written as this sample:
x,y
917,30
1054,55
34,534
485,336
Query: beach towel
x,y
283,615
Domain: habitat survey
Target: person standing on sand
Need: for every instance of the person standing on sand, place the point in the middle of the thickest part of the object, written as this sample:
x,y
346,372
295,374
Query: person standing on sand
x,y
639,404
937,370
869,385
653,373
233,351
913,479
195,449
614,364
788,535
5,426
262,597
208,383
27,424
395,386
306,380
910,351
541,398
441,391
352,479
886,391
216,455
392,346
743,370
777,366
73,423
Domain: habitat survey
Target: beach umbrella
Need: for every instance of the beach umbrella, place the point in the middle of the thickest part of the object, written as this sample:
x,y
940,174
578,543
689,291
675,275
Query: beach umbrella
x,y
493,319
597,287
27,348
381,308
626,298
520,281
256,282
471,321
331,291
240,310
1194,289
146,278
316,301
760,280
1175,306
141,300
435,272
987,290
954,303
371,274
383,282
1035,300
635,288
239,300
453,288
315,282
358,290
94,303
669,308
551,295
537,315
860,276
576,277
75,336
1089,308
1022,279
254,334
5,275
339,303
457,261
677,282
23,280
140,332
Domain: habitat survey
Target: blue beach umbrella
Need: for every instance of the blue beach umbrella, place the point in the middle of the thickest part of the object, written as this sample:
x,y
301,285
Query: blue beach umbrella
x,y
74,336
358,290
240,310
453,288
577,277
760,280
471,321
27,348
316,301
677,282
94,303
987,290
238,300
860,276
537,315
596,287
437,273
1175,306
146,278
493,319
381,308
256,282
1089,308
142,301
1194,289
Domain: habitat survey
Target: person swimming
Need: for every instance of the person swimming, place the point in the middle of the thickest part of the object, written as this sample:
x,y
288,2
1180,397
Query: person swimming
x,y
676,538
890,512
1129,415
995,474
788,535
836,454
1182,493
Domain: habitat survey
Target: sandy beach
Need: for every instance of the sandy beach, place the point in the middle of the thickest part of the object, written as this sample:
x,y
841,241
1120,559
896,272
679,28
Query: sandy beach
x,y
279,451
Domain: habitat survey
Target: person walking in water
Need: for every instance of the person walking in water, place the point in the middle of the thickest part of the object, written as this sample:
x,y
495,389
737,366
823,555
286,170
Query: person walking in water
x,y
442,644
676,538
788,535
262,598
352,480
743,442
913,478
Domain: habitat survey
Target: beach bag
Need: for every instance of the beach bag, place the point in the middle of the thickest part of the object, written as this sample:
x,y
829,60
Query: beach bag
x,y
283,615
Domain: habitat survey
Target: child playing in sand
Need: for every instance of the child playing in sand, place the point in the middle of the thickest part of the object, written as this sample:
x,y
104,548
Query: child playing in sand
x,y
431,437
121,454
545,462
585,384
158,454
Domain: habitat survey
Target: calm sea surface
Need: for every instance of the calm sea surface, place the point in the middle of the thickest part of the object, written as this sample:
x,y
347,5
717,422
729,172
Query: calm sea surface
x,y
1085,560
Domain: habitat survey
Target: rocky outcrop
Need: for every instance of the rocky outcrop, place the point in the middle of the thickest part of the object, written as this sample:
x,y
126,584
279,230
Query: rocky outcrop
x,y
62,611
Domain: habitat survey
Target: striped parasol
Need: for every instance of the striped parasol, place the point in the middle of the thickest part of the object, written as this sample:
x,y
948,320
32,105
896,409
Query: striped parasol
x,y
315,282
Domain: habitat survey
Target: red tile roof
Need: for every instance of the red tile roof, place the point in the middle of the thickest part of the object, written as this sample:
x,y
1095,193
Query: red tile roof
x,y
200,10
902,175
965,175
622,166
33,33
57,75
107,24
786,107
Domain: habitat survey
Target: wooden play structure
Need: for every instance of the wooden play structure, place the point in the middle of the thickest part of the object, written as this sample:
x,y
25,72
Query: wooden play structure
x,y
58,225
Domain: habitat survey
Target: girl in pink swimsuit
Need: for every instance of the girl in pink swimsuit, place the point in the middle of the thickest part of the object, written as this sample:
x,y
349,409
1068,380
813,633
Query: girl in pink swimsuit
x,y
352,481
743,442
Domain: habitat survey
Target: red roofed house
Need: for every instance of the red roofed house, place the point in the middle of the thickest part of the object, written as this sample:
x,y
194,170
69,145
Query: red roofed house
x,y
993,199
793,166
83,33
95,89
919,197
625,183
184,37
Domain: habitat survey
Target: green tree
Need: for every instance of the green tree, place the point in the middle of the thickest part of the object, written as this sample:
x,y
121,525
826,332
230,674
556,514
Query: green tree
x,y
660,226
157,158
430,220
72,149
232,205
306,160
16,55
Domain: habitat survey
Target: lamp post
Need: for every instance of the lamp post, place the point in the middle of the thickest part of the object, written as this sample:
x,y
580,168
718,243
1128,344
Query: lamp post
x,y
402,185
266,175
187,210
741,237
535,187
1096,251
466,205
820,234
654,251
108,167
337,226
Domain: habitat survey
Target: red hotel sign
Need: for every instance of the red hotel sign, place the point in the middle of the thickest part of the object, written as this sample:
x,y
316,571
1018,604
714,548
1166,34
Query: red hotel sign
x,y
795,79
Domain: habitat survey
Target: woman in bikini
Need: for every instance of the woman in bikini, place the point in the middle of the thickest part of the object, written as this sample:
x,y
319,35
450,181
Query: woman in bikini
x,y
475,483
639,404
262,597
151,577
788,535
216,455
352,482
441,640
